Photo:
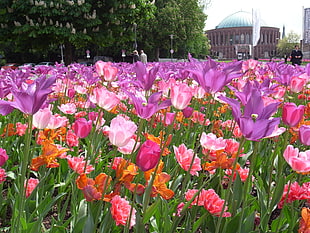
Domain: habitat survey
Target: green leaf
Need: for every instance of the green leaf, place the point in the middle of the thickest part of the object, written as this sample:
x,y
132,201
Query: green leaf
x,y
248,224
233,224
89,225
278,192
200,220
150,211
78,227
237,194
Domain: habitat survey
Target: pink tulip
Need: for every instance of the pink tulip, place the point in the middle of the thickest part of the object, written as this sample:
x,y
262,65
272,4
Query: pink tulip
x,y
291,114
121,130
249,64
3,156
304,134
211,142
148,155
130,147
2,175
104,98
185,156
106,70
41,118
168,118
82,127
121,211
299,161
99,66
57,121
297,84
30,185
181,95
71,93
68,108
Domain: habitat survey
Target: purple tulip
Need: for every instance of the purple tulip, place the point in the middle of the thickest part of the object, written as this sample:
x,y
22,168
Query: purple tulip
x,y
28,98
213,77
146,110
255,122
145,79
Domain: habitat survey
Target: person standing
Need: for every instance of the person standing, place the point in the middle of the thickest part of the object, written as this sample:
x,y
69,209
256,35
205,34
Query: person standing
x,y
135,56
143,57
296,56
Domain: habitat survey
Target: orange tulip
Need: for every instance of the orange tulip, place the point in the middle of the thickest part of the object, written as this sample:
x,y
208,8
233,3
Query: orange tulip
x,y
304,224
93,189
49,155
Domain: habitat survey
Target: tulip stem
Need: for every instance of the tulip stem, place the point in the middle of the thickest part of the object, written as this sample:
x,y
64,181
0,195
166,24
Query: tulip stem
x,y
19,205
228,193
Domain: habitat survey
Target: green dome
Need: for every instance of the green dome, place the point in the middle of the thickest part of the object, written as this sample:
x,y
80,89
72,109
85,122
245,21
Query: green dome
x,y
238,19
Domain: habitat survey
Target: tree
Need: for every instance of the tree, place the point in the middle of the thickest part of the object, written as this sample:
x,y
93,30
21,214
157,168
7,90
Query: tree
x,y
184,19
287,44
45,25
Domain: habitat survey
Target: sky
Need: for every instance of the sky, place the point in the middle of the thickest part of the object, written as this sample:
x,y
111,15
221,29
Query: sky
x,y
275,13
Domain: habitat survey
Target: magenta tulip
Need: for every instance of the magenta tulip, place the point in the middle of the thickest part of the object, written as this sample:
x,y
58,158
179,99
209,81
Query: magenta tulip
x,y
3,156
148,155
82,127
187,112
304,134
291,114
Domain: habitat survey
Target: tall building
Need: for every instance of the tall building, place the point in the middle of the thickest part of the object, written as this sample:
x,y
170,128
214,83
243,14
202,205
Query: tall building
x,y
232,38
306,34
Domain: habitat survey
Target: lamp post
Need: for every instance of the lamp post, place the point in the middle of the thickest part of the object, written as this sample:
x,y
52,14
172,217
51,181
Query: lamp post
x,y
171,46
135,46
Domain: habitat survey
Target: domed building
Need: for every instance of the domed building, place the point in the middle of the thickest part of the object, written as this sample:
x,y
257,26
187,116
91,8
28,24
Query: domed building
x,y
232,38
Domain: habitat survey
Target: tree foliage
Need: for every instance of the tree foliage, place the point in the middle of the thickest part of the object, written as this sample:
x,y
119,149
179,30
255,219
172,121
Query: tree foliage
x,y
287,44
44,25
104,27
185,20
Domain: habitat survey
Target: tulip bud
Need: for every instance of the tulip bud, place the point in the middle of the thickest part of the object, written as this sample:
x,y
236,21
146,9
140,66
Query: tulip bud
x,y
187,112
148,155
3,156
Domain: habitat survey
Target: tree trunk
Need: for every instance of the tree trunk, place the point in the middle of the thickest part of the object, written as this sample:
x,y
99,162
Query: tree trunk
x,y
157,54
68,53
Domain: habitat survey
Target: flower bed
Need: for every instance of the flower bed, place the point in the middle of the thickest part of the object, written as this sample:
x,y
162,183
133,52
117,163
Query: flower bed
x,y
162,147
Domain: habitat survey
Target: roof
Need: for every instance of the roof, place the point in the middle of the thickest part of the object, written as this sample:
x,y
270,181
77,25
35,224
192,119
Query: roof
x,y
238,19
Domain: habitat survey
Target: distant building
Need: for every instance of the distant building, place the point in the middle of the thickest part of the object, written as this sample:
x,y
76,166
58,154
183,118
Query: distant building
x,y
306,34
232,38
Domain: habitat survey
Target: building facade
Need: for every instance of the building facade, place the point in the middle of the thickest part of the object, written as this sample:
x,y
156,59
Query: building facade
x,y
306,34
232,38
